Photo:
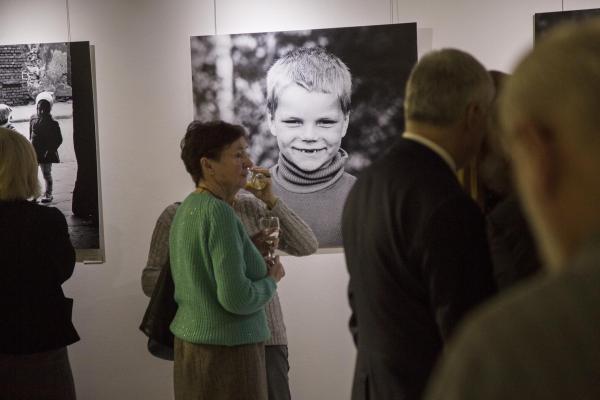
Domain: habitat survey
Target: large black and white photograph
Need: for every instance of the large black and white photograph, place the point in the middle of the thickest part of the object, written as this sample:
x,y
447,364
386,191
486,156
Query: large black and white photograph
x,y
318,105
46,95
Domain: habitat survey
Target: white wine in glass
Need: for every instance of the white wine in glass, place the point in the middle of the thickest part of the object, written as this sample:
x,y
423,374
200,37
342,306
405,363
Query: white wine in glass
x,y
256,180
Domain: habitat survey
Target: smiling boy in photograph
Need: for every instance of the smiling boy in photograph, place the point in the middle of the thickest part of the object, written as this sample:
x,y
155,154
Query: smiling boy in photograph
x,y
308,102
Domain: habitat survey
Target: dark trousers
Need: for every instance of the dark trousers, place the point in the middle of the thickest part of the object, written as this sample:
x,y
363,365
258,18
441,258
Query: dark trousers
x,y
47,173
37,376
276,358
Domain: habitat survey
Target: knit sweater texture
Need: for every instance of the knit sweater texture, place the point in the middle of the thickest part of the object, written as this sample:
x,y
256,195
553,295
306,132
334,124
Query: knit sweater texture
x,y
221,282
296,239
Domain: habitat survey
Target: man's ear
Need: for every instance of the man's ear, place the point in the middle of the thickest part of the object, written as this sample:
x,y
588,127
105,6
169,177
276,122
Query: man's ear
x,y
346,121
538,142
474,116
270,117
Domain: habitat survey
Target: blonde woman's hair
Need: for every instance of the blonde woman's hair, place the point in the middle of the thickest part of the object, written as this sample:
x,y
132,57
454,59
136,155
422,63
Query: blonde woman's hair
x,y
18,167
313,68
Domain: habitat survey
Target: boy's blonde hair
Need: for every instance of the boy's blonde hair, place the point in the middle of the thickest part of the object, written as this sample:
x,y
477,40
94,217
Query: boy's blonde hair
x,y
314,69
18,167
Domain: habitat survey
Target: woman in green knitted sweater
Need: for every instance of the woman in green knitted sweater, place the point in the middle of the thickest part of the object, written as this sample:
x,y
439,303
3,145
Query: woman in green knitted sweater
x,y
222,282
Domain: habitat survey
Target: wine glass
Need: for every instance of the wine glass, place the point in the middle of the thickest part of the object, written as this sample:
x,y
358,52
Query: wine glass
x,y
256,180
271,225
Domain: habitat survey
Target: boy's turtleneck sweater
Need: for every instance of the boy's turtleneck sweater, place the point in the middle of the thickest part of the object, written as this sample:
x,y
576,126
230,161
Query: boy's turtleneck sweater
x,y
316,196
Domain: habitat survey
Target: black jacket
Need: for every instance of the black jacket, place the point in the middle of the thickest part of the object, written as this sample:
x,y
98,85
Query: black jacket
x,y
514,253
36,257
46,138
418,258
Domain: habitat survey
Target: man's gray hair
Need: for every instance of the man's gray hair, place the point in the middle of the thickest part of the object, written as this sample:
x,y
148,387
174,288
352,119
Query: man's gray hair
x,y
443,84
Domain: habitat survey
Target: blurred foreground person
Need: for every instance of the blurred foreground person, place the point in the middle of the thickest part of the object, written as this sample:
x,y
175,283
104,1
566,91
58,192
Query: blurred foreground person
x,y
222,282
36,258
541,340
414,240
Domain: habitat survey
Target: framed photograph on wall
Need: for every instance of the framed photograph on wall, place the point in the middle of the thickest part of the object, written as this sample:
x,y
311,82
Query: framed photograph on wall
x,y
319,106
545,21
55,79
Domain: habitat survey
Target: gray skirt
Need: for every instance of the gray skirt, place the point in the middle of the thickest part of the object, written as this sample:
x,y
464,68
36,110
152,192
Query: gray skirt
x,y
211,372
45,375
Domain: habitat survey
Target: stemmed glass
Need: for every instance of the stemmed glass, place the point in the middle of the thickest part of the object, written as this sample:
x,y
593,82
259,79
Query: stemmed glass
x,y
256,180
271,225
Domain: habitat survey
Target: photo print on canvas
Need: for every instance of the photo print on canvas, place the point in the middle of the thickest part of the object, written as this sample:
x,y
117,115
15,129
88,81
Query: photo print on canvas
x,y
47,96
319,106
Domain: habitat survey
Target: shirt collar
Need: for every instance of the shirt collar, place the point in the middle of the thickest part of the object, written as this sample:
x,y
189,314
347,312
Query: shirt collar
x,y
440,151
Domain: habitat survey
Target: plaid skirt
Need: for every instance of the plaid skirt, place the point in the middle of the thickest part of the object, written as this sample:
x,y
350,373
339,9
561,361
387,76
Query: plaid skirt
x,y
45,375
211,372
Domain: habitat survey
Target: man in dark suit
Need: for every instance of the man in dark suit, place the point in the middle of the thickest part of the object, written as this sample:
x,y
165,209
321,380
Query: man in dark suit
x,y
414,241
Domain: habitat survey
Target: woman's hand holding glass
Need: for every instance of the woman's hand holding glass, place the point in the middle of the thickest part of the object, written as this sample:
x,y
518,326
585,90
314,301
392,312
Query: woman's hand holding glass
x,y
258,182
269,225
264,242
275,269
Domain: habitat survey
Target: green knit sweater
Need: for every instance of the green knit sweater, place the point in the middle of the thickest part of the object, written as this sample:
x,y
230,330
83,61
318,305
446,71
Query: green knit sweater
x,y
221,282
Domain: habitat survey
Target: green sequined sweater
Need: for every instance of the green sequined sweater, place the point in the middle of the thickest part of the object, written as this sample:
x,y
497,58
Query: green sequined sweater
x,y
221,282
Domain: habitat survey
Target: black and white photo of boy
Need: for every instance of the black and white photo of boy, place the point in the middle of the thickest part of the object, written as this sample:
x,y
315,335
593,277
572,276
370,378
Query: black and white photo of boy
x,y
319,105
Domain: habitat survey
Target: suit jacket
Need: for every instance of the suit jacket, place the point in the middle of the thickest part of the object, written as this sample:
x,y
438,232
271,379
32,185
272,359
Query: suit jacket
x,y
416,250
36,257
514,253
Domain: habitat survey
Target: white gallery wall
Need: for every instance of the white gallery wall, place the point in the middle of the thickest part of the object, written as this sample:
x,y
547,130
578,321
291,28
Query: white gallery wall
x,y
144,103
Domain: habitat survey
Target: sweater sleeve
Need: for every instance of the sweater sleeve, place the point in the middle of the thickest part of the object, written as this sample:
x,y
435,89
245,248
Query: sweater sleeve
x,y
297,238
158,255
227,243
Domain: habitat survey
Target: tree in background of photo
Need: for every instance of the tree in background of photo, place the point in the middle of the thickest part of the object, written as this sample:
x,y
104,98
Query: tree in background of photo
x,y
47,69
229,71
